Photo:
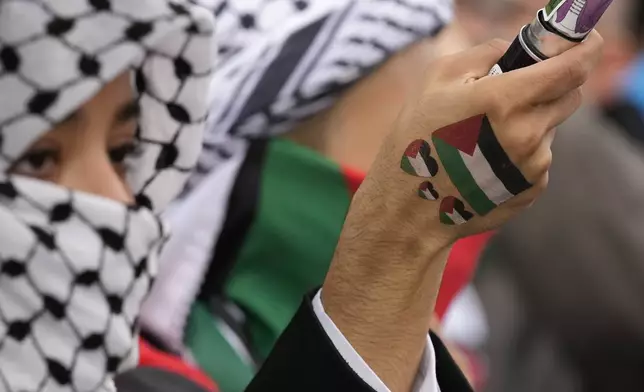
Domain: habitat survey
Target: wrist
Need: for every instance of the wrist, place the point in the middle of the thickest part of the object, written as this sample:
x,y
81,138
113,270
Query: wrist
x,y
391,233
384,279
391,212
384,311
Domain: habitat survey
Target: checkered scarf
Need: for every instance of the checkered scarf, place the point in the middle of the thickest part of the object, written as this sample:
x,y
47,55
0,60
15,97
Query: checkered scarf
x,y
282,61
74,267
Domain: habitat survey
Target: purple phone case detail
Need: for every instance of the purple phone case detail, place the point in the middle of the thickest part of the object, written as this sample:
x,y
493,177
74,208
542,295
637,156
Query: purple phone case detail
x,y
586,14
564,9
591,13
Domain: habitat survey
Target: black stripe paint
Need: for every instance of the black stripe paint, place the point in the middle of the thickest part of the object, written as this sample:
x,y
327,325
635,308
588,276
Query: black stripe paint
x,y
499,161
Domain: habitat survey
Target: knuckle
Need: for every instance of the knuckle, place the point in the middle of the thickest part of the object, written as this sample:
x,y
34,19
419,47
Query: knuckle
x,y
543,162
530,197
541,184
576,98
500,108
600,45
595,44
439,69
498,45
577,72
537,166
525,144
440,64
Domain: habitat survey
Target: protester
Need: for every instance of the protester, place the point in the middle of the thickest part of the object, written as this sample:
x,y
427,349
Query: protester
x,y
234,274
247,260
101,116
67,140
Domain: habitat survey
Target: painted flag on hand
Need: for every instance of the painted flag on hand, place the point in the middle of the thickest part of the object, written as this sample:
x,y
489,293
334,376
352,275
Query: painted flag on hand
x,y
477,164
453,212
417,160
427,191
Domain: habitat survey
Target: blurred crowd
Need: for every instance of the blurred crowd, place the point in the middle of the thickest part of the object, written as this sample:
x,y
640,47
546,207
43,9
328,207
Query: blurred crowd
x,y
257,226
577,325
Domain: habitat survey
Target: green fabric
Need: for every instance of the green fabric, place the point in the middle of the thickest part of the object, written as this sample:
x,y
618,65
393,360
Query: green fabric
x,y
213,353
303,202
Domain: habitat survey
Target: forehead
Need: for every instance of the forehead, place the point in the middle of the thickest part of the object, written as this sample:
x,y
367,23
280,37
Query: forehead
x,y
114,94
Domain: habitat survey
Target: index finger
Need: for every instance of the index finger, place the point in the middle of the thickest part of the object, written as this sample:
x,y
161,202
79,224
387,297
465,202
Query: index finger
x,y
476,62
550,79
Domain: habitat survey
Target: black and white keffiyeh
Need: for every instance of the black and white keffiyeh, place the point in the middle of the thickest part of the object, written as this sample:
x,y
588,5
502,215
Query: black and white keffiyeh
x,y
281,61
74,267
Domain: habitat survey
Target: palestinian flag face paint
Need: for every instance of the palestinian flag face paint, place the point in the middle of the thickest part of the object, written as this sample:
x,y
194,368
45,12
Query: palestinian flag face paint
x,y
417,160
427,191
477,165
453,212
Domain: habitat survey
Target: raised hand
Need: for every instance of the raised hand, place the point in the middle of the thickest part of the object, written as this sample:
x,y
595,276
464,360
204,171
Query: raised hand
x,y
444,172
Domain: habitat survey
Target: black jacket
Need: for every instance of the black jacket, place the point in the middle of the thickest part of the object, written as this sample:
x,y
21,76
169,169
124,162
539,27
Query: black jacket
x,y
303,360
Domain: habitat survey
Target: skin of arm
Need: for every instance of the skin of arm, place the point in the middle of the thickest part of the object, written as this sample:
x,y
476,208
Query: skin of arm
x,y
386,273
352,131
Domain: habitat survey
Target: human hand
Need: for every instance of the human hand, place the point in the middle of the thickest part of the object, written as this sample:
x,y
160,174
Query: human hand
x,y
415,202
475,177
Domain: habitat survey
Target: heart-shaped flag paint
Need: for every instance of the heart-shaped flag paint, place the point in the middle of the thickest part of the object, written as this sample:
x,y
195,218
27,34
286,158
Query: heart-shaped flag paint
x,y
427,191
453,212
417,160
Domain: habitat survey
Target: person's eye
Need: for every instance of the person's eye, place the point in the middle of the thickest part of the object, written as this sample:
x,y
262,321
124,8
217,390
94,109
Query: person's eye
x,y
37,163
122,155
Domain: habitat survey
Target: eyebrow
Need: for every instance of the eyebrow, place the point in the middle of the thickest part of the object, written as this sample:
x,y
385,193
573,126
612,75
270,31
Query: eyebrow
x,y
127,112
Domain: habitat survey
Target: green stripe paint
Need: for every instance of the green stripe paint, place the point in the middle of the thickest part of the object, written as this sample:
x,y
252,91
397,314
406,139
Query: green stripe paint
x,y
462,178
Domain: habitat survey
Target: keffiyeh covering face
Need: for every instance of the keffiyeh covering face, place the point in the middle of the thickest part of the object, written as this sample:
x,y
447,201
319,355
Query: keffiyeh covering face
x,y
281,61
74,267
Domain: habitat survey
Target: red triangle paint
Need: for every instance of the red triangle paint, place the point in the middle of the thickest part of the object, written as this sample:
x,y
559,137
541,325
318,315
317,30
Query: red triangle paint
x,y
415,148
448,204
463,135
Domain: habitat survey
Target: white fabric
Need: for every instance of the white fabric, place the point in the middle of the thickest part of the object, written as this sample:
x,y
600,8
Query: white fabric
x,y
426,380
465,322
75,267
75,270
285,60
195,229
